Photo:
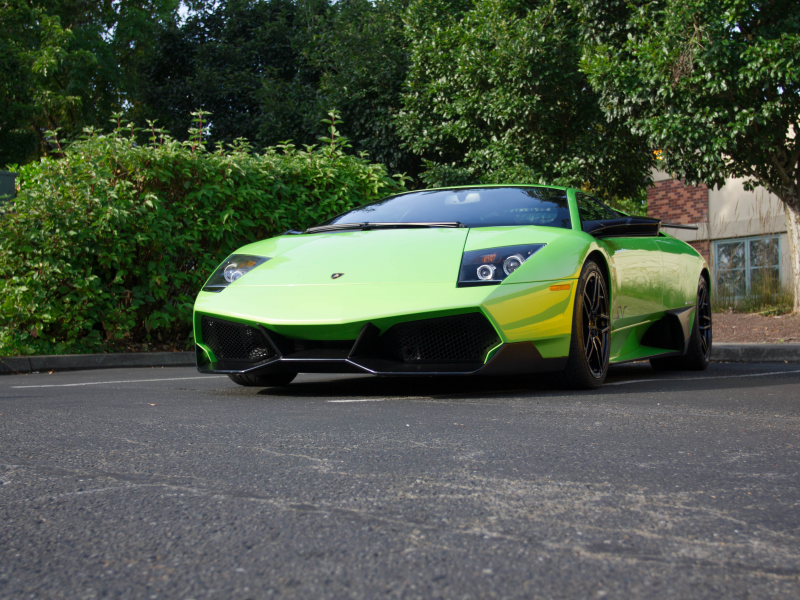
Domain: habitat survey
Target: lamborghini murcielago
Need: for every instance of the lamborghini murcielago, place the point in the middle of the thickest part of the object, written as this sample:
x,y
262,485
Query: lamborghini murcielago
x,y
481,280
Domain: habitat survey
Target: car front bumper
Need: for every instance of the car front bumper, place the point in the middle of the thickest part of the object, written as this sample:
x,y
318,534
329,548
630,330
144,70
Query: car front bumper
x,y
343,329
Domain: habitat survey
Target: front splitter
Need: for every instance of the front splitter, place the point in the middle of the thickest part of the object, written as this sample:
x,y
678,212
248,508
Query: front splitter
x,y
514,358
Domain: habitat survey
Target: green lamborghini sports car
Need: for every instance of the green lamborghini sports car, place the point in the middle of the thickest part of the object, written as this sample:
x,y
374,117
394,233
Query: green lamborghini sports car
x,y
482,280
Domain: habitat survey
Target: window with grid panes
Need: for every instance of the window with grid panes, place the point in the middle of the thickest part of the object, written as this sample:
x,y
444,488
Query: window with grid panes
x,y
744,263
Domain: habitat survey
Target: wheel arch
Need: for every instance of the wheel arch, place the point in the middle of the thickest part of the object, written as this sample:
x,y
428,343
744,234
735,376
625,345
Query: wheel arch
x,y
704,273
601,260
579,372
707,276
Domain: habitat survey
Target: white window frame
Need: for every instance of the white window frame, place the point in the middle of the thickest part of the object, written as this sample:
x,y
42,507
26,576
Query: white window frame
x,y
747,267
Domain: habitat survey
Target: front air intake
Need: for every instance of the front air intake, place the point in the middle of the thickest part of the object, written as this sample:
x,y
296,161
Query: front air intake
x,y
461,338
235,341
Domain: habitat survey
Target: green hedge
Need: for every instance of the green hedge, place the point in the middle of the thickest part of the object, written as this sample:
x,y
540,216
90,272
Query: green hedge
x,y
108,245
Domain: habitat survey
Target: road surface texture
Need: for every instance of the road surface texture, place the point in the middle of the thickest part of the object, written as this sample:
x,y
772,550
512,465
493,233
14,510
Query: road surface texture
x,y
162,483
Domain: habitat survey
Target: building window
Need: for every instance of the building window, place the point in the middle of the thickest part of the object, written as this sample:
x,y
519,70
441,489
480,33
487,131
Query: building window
x,y
745,263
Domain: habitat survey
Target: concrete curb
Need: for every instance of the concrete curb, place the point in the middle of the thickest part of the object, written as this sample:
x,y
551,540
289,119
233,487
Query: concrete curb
x,y
79,362
749,353
755,353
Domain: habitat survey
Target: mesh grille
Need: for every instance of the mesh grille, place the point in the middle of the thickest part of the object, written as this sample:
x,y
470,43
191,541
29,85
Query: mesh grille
x,y
234,341
462,338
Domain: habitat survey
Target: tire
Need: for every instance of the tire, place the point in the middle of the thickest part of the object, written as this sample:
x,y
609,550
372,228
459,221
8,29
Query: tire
x,y
274,380
698,355
587,364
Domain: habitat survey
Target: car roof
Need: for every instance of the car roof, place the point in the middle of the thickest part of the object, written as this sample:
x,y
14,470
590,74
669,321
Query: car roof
x,y
486,186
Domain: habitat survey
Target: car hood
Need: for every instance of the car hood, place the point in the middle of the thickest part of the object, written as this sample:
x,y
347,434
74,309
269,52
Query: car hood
x,y
361,257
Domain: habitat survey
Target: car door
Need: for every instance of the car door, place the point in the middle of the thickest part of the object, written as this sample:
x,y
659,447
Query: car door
x,y
636,269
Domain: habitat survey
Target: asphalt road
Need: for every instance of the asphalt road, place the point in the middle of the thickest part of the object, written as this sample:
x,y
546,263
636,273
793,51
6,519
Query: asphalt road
x,y
161,483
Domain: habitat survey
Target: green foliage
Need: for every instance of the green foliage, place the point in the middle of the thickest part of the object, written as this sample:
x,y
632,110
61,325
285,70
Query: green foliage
x,y
35,59
360,51
494,93
715,84
635,205
110,243
67,65
240,60
269,70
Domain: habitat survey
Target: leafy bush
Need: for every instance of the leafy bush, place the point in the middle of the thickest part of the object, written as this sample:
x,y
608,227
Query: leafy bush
x,y
108,245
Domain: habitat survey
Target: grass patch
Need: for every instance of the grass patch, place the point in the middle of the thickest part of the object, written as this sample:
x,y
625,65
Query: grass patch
x,y
767,298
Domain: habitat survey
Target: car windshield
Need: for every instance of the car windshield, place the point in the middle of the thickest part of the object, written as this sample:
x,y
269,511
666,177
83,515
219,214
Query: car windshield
x,y
472,207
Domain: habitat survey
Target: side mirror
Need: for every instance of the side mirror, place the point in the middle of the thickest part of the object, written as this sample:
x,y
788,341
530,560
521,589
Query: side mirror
x,y
623,227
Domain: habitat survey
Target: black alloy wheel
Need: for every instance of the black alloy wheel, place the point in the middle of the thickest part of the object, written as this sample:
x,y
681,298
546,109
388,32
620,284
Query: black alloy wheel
x,y
704,319
587,364
595,324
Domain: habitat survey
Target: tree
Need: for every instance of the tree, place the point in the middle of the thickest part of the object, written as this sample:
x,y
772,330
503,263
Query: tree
x,y
266,70
67,65
495,94
715,84
360,50
37,58
240,61
270,70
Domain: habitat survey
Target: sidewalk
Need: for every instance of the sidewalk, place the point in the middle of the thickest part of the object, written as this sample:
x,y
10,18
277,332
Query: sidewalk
x,y
79,362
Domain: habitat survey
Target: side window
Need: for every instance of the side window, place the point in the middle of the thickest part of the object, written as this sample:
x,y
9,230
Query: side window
x,y
591,210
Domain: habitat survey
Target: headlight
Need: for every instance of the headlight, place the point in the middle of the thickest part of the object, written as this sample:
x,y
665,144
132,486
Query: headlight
x,y
487,267
234,267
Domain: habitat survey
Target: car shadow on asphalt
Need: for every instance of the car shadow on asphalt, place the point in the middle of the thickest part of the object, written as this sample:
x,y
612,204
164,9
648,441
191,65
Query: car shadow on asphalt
x,y
624,379
414,387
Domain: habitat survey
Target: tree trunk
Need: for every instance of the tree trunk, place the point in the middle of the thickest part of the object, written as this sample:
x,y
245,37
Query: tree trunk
x,y
793,231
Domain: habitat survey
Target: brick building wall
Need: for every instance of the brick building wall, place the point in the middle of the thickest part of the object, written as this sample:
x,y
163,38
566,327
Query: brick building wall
x,y
672,201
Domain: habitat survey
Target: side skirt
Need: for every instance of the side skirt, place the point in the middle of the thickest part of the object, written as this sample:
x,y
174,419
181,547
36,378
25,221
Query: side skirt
x,y
668,336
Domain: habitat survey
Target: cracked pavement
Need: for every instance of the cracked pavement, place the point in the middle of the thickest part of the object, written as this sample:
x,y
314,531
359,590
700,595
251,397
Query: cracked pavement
x,y
161,483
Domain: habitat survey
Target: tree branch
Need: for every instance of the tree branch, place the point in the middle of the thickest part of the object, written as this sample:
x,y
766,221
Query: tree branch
x,y
787,181
794,157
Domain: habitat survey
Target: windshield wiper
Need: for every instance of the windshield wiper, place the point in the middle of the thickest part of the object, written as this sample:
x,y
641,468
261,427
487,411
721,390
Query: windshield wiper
x,y
367,226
